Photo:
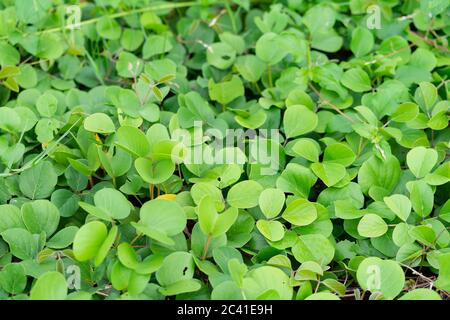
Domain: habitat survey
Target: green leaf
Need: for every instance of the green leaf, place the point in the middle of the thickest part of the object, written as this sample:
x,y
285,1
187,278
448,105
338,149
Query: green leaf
x,y
300,213
372,226
13,279
177,266
322,296
8,54
154,172
133,141
131,40
220,55
329,173
127,256
156,44
339,153
99,123
443,280
384,276
357,80
108,28
405,112
378,178
362,42
319,17
211,222
47,105
423,234
421,294
299,120
11,217
244,194
271,48
307,148
182,286
22,243
109,204
296,179
63,238
422,197
426,95
271,230
88,240
39,181
40,216
313,247
128,65
250,67
106,246
50,286
226,91
421,160
263,279
399,204
271,202
253,121
172,222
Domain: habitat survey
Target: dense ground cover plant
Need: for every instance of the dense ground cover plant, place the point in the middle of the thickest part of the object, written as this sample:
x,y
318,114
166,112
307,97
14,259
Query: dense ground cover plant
x,y
105,105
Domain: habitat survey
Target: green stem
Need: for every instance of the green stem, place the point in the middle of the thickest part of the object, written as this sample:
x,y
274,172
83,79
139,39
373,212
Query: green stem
x,y
152,191
136,238
230,13
257,87
95,67
269,75
206,248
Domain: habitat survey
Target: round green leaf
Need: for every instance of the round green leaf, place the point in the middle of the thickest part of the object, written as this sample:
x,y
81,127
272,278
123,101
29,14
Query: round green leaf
x,y
307,148
166,216
421,160
313,247
421,294
300,213
244,194
133,141
372,226
271,48
330,173
267,279
50,286
272,230
108,28
13,279
384,276
357,80
271,202
39,181
113,203
299,120
39,216
220,55
399,204
154,172
362,41
88,240
99,123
